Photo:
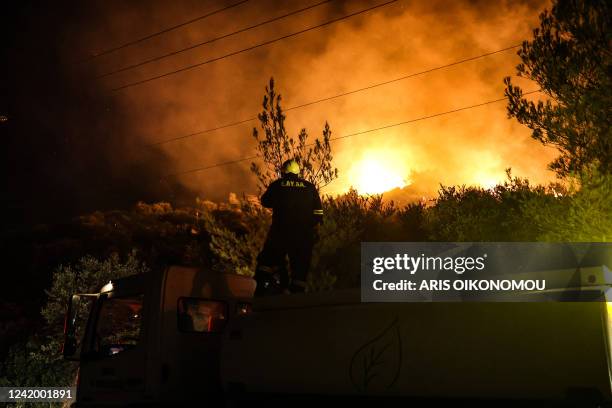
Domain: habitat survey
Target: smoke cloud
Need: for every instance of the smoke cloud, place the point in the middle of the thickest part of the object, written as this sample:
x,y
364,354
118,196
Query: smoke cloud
x,y
470,147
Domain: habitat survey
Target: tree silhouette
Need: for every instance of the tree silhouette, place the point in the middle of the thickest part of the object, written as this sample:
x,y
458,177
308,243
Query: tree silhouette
x,y
275,146
569,57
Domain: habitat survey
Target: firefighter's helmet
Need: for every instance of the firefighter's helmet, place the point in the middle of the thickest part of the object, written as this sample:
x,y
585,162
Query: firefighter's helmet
x,y
291,166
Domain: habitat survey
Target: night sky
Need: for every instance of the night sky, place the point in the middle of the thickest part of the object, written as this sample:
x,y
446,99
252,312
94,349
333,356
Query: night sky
x,y
74,145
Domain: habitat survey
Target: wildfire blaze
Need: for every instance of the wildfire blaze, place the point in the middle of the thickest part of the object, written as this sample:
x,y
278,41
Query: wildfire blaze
x,y
377,172
469,147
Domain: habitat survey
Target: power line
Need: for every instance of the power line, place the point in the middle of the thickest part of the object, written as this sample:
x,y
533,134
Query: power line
x,y
174,139
212,40
284,37
164,31
435,115
338,95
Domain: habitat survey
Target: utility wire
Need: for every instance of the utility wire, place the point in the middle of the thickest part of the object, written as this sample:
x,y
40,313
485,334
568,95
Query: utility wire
x,y
164,31
435,115
212,40
337,96
131,84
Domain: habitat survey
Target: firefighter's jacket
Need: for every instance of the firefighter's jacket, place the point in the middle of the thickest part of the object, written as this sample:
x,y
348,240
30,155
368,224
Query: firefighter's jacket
x,y
295,203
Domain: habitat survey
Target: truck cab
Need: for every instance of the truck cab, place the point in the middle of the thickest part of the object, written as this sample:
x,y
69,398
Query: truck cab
x,y
155,337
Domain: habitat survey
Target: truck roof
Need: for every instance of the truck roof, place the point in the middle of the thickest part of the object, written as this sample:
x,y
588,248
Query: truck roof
x,y
308,300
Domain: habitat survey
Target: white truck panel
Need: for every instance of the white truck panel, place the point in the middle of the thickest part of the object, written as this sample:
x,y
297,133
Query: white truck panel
x,y
333,344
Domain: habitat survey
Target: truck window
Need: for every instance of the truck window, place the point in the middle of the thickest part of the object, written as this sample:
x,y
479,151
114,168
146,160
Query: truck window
x,y
119,325
201,315
75,324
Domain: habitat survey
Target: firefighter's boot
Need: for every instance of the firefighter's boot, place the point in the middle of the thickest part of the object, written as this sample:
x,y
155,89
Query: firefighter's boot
x,y
268,281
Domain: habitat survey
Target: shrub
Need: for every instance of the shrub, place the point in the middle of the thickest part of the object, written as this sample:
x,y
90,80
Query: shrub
x,y
39,362
465,214
236,235
583,213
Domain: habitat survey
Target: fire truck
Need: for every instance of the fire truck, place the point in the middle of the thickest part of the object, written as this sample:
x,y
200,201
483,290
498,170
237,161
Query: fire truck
x,y
187,336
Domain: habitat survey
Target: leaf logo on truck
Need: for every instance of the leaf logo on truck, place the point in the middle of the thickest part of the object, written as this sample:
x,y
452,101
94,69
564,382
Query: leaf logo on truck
x,y
376,365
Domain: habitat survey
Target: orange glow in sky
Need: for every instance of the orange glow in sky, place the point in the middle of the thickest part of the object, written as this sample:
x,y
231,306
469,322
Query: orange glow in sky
x,y
338,65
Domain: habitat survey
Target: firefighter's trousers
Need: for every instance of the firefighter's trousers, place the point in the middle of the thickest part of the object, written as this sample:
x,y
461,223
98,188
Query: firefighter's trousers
x,y
296,245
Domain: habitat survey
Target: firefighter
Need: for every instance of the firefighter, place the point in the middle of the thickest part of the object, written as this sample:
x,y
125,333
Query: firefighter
x,y
296,214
